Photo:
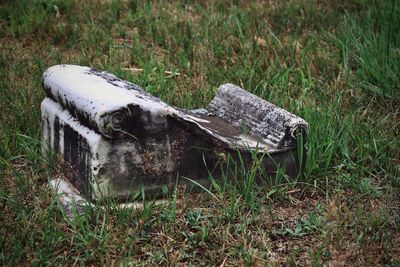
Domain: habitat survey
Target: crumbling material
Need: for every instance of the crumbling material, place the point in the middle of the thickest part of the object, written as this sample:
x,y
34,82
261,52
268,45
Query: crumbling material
x,y
114,138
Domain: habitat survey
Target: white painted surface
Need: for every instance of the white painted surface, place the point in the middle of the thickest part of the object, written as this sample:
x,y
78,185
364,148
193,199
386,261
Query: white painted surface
x,y
96,96
97,144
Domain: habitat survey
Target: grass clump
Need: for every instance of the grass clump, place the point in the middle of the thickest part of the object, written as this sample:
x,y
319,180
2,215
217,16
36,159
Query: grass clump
x,y
372,45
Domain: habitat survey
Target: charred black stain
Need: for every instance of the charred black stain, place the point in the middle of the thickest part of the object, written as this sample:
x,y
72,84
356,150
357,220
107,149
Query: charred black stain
x,y
56,143
196,154
152,152
287,140
82,116
134,121
48,128
77,153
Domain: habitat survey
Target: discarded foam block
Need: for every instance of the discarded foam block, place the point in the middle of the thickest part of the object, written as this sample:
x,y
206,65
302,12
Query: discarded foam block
x,y
114,139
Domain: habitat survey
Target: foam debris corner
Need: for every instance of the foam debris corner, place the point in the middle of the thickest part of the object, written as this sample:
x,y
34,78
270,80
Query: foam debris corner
x,y
69,198
74,204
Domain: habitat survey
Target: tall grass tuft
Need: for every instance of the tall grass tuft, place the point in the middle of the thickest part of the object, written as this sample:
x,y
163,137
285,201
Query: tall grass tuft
x,y
373,41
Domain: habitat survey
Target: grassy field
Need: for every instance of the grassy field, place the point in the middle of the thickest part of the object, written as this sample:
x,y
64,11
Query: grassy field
x,y
335,63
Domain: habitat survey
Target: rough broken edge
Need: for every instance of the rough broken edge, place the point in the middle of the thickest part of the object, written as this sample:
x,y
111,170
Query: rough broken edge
x,y
74,204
